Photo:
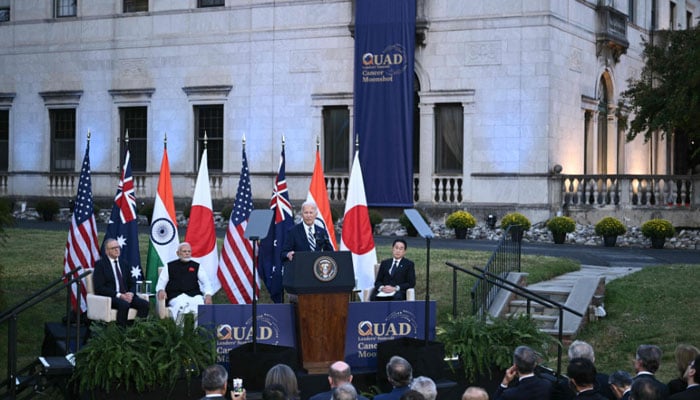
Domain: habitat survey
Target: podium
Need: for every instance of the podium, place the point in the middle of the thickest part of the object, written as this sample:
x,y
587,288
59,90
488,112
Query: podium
x,y
323,283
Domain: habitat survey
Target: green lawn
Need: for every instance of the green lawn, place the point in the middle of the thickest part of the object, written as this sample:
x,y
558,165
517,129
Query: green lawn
x,y
653,306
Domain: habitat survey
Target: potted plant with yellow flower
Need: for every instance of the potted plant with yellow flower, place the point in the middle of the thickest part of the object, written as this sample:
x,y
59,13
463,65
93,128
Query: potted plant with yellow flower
x,y
560,226
610,228
460,221
515,219
658,230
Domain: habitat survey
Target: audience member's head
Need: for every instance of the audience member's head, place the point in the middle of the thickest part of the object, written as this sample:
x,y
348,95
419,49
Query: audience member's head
x,y
412,395
579,348
274,391
581,372
619,382
425,386
685,354
282,374
525,359
214,379
644,389
475,393
648,358
345,391
339,373
691,373
399,371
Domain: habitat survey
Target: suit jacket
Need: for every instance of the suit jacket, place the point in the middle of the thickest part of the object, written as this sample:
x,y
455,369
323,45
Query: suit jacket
x,y
403,276
104,281
590,395
395,394
329,395
533,388
296,240
217,397
692,393
660,386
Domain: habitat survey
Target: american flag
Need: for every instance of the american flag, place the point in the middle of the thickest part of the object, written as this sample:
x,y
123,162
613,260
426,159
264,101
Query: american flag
x,y
81,246
236,264
271,246
123,221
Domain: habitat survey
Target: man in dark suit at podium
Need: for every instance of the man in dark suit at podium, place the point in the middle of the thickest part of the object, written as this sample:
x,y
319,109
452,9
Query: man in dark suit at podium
x,y
395,275
305,236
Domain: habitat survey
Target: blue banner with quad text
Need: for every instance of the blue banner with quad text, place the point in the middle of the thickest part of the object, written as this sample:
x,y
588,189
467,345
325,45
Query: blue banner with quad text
x,y
384,54
369,323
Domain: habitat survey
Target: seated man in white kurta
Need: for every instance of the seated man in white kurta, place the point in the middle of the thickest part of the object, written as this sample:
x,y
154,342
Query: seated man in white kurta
x,y
183,284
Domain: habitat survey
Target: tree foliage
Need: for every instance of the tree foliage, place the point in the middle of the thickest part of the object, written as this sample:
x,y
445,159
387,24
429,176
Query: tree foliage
x,y
666,97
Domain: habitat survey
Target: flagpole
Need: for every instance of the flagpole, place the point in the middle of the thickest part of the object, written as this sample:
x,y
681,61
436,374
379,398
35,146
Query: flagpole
x,y
254,312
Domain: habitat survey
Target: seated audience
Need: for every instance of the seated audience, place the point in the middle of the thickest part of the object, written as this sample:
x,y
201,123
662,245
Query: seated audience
x,y
684,355
692,392
620,384
399,373
425,386
338,374
283,375
582,374
530,386
345,391
475,393
646,362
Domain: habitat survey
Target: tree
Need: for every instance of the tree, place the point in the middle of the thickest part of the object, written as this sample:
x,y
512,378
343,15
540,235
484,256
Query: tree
x,y
666,97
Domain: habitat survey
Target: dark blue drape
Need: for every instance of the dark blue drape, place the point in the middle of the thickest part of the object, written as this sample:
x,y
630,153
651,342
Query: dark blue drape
x,y
384,53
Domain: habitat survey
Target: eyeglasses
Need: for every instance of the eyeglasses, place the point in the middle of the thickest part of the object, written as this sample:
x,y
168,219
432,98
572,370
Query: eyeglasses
x,y
113,248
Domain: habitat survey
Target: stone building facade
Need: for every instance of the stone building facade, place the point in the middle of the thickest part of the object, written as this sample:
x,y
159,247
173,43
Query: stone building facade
x,y
533,87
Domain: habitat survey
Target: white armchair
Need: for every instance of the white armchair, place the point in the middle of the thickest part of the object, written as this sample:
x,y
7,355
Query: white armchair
x,y
366,293
161,309
99,308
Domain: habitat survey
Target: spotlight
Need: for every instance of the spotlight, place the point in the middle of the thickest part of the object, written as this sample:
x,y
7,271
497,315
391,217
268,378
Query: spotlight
x,y
491,221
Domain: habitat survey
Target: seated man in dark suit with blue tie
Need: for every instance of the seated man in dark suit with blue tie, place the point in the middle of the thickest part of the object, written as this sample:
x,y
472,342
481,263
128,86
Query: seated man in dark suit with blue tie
x,y
395,275
111,280
305,236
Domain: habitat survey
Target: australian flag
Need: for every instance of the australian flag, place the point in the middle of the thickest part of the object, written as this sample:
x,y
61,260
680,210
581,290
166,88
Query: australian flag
x,y
123,222
271,247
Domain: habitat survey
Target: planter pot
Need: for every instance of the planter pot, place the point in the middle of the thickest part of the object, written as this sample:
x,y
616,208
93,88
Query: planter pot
x,y
658,242
610,240
460,233
559,237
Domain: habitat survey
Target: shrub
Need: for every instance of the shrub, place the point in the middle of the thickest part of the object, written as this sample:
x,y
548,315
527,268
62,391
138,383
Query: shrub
x,y
226,212
658,228
460,219
5,217
150,354
610,226
515,218
484,344
561,225
47,208
375,218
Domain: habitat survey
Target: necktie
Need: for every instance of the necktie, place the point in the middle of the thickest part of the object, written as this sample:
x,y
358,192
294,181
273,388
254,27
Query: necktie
x,y
393,267
119,277
312,240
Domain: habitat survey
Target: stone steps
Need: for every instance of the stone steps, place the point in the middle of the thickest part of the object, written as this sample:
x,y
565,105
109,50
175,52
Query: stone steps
x,y
582,291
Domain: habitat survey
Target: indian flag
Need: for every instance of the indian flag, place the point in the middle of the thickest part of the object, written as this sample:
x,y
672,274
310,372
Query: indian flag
x,y
164,239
